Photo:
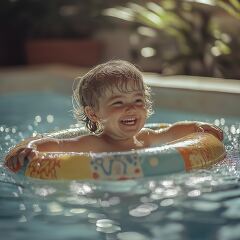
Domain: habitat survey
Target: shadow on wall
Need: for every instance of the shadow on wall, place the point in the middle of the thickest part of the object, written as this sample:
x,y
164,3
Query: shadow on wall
x,y
35,32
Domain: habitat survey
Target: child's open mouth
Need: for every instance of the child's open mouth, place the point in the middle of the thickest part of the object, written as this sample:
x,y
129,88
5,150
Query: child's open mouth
x,y
129,121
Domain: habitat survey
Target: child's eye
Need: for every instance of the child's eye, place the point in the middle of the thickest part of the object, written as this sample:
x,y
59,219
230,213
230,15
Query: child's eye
x,y
117,103
139,101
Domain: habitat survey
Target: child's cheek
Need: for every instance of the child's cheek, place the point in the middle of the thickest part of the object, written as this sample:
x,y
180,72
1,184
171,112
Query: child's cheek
x,y
116,110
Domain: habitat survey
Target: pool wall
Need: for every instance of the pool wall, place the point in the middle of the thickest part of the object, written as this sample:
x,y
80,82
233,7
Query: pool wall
x,y
201,95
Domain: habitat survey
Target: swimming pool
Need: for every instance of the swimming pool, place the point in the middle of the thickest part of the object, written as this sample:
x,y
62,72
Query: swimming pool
x,y
203,204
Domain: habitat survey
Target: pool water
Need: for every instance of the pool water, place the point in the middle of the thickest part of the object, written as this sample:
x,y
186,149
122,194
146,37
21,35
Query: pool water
x,y
203,204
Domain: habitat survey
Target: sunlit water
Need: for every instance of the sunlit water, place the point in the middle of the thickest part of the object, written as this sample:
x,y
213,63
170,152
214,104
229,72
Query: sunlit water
x,y
203,204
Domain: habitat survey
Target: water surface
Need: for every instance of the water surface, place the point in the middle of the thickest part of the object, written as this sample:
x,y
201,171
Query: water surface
x,y
203,204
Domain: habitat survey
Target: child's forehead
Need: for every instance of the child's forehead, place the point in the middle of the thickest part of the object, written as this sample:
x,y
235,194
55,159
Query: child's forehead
x,y
116,90
126,85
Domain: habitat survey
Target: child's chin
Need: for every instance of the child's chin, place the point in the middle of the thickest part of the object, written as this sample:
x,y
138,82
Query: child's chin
x,y
129,131
129,127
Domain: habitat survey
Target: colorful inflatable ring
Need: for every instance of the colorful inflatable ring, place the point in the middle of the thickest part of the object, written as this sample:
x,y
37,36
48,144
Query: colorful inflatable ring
x,y
197,150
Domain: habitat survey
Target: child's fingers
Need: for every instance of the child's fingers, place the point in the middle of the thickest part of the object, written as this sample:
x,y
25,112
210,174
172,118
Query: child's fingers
x,y
14,161
216,131
219,132
200,129
9,162
32,154
23,154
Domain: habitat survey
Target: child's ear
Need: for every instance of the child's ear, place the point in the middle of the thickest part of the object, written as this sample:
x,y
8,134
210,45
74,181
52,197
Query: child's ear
x,y
89,111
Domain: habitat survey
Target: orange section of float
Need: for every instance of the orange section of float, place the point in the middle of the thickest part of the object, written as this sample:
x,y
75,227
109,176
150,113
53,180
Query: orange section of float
x,y
208,151
43,167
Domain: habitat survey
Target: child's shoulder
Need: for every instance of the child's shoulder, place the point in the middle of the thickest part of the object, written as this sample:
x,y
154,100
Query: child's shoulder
x,y
152,136
146,134
87,137
87,143
147,131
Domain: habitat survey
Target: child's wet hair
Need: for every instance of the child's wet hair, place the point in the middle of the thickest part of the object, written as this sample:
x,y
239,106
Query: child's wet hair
x,y
115,74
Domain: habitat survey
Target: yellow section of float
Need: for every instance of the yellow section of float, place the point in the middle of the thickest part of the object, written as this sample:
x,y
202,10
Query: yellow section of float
x,y
60,166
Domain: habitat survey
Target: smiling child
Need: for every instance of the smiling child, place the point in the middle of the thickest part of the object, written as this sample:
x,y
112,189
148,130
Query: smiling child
x,y
114,103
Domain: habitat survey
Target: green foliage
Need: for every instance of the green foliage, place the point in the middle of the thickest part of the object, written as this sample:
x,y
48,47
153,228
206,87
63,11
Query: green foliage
x,y
191,38
231,6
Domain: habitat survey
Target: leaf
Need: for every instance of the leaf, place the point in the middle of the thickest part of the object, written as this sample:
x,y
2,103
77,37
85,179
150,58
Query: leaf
x,y
235,3
168,16
119,12
228,8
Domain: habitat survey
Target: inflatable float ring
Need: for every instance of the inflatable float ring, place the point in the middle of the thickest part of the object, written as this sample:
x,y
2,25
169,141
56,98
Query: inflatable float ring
x,y
194,151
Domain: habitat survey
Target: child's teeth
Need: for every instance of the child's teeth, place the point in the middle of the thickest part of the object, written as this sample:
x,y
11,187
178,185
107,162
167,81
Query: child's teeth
x,y
129,121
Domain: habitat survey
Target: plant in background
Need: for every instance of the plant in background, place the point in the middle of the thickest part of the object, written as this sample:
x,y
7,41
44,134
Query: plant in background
x,y
184,37
231,6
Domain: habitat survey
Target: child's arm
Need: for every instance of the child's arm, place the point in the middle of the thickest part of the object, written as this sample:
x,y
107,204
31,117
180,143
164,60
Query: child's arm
x,y
181,129
19,153
29,149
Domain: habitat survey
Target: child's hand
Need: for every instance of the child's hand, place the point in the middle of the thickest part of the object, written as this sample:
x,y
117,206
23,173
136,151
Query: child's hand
x,y
15,159
209,128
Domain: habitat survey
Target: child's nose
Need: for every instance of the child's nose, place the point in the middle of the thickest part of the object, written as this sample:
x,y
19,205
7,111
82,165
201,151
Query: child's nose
x,y
130,107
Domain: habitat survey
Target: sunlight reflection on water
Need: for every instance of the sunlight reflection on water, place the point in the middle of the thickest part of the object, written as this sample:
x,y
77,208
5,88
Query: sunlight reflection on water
x,y
180,206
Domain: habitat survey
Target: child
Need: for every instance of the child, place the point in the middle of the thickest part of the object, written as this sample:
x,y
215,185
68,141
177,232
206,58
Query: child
x,y
114,103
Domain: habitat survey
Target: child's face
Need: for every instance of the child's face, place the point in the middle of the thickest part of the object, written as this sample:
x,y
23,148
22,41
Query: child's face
x,y
122,115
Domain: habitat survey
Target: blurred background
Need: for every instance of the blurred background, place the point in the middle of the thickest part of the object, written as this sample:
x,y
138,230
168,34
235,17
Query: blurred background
x,y
171,37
